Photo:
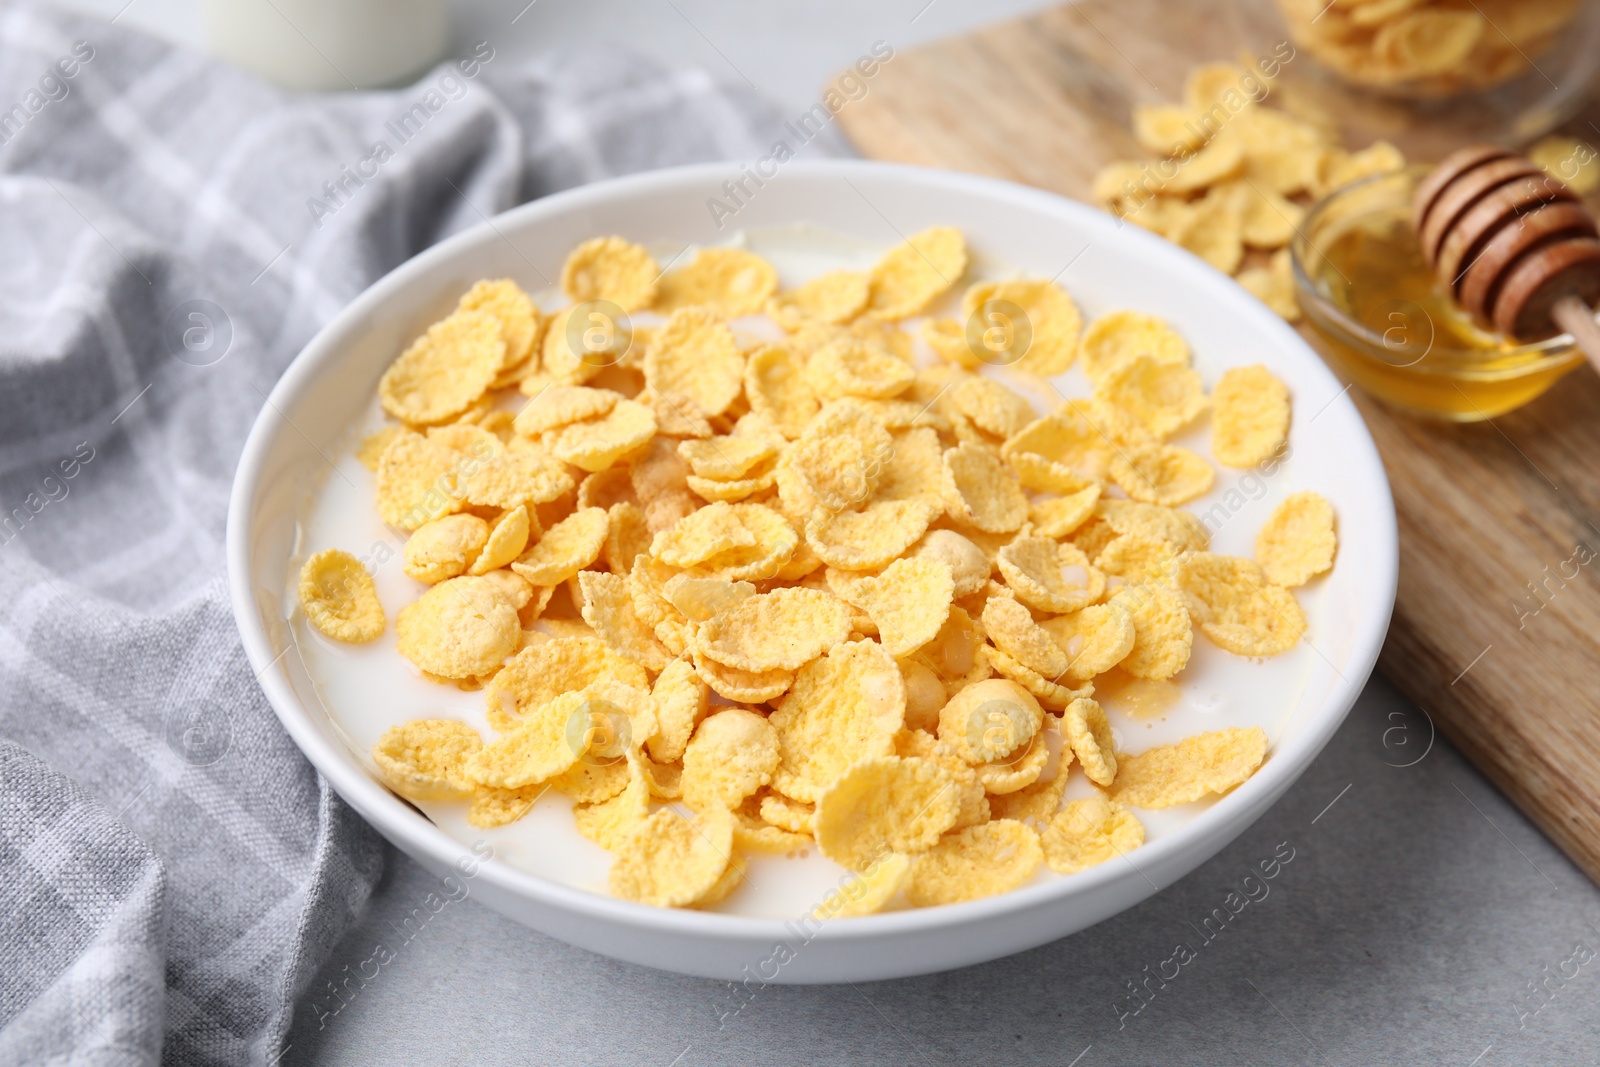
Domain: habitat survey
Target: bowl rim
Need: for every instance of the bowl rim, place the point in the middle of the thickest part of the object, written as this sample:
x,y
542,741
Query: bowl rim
x,y
1533,357
413,833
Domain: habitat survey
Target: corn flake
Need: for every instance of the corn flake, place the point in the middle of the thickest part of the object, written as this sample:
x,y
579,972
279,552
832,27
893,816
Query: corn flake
x,y
842,707
1297,543
1012,629
1121,336
870,538
969,566
445,370
882,805
426,759
1237,607
1086,729
776,386
682,698
908,603
1002,314
1179,528
565,549
981,491
1207,763
781,630
460,628
733,754
1059,516
980,861
908,278
835,297
695,354
670,861
611,823
1050,575
339,597
504,542
1089,832
1162,633
1250,420
539,673
730,281
990,720
418,481
610,268
558,405
866,892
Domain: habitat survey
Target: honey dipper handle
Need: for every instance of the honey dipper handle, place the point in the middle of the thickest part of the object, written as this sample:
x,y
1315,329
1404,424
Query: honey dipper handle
x,y
1577,318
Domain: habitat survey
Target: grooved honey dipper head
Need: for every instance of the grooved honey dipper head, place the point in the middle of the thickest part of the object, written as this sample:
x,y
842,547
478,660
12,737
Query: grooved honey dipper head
x,y
1507,240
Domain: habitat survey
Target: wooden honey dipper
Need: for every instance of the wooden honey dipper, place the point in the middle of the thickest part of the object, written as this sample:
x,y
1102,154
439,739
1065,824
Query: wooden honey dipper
x,y
1512,245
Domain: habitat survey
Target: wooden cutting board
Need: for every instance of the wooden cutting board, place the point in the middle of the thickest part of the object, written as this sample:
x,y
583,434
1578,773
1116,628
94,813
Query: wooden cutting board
x,y
1497,629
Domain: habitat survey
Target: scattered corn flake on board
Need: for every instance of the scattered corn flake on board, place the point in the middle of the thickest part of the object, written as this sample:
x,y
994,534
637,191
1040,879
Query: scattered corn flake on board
x,y
807,577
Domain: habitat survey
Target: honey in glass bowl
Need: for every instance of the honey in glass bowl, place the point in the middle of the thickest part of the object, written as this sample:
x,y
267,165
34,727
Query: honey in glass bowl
x,y
1381,318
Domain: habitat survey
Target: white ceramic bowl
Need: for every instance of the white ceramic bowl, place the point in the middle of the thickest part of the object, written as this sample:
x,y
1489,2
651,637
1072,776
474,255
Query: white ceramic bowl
x,y
1111,265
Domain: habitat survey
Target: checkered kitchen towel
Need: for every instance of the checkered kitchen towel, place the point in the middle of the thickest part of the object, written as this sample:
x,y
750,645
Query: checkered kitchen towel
x,y
172,871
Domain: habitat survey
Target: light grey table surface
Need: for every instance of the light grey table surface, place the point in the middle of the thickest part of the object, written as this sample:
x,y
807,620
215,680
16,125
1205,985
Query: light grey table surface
x,y
1421,920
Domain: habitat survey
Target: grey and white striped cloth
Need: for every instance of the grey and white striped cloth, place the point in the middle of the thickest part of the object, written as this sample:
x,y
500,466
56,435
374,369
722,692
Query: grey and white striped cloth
x,y
172,231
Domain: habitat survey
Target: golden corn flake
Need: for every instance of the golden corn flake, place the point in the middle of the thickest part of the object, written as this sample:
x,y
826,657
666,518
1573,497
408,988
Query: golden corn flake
x,y
670,861
745,687
1179,528
840,471
519,317
842,707
733,754
558,405
1060,453
371,449
541,672
780,630
794,816
990,720
981,491
1086,729
1162,397
751,834
505,541
1161,474
444,370
445,547
1121,336
339,597
1017,771
775,543
925,694
908,603
1059,516
1250,417
835,297
1095,639
1049,575
969,566
596,445
1193,768
910,276
544,744
1163,636
611,823
1238,608
627,537
1298,541
514,587
418,481
730,281
1012,629
610,268
1140,559
460,628
701,599
493,807
608,608
972,803
980,861
948,339
850,367
992,407
870,538
1037,800
1089,832
682,698
593,780
426,759
1051,693
702,535
565,549
866,892
776,386
1028,324
524,475
883,805
695,354
729,456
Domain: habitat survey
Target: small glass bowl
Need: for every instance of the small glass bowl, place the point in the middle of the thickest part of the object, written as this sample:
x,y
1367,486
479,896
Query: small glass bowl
x,y
1382,321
